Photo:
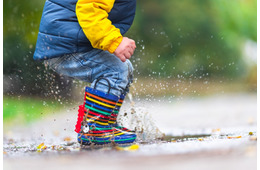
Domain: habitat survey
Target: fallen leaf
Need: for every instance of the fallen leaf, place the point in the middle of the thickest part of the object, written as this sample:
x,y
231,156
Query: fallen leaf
x,y
128,148
67,139
234,137
40,146
216,130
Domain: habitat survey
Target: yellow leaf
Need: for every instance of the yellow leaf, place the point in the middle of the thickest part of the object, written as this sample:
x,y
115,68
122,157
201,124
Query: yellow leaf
x,y
216,130
67,139
200,139
234,137
40,146
128,148
250,133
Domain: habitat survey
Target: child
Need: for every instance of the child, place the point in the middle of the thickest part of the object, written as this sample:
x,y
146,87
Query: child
x,y
83,39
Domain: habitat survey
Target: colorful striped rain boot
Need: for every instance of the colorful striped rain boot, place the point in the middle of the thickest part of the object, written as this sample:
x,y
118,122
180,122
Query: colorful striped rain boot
x,y
113,118
92,125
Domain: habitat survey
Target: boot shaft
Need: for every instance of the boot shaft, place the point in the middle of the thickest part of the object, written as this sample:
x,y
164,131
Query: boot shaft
x,y
97,109
99,106
114,115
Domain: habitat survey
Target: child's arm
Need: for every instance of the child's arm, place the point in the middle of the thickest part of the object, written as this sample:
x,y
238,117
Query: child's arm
x,y
93,18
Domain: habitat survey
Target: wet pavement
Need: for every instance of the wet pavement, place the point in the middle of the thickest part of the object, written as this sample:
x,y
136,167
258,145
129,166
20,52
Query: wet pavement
x,y
214,132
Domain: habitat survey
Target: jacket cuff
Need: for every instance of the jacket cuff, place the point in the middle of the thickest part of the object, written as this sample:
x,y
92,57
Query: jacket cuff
x,y
114,45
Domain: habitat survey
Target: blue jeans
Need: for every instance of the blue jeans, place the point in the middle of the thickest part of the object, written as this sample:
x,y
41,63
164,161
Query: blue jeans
x,y
90,66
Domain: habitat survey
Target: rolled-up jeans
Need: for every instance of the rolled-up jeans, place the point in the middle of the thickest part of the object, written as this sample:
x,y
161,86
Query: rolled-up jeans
x,y
89,66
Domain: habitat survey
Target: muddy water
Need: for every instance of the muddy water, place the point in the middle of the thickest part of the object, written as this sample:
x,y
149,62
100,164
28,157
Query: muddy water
x,y
216,125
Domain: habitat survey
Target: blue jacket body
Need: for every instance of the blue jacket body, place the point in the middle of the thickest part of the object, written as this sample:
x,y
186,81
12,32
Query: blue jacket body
x,y
60,32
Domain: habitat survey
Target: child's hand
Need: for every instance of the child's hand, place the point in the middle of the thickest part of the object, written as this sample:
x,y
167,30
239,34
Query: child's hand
x,y
125,49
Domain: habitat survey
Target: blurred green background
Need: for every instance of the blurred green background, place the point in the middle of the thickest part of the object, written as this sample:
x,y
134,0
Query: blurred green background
x,y
193,48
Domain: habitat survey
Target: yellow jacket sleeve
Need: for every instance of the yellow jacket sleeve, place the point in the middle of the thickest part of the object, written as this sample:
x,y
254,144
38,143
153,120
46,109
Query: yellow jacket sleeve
x,y
93,18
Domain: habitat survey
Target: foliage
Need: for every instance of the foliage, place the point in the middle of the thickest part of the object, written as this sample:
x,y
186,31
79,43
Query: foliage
x,y
21,24
191,39
199,38
237,19
24,109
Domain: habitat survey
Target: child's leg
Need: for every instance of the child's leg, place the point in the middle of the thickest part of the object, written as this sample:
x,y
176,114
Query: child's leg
x,y
90,66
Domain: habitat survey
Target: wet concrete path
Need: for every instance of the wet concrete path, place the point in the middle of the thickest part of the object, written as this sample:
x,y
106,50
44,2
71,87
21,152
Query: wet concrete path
x,y
216,131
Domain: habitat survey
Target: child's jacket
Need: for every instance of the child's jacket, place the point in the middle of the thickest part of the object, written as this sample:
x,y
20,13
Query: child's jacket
x,y
70,26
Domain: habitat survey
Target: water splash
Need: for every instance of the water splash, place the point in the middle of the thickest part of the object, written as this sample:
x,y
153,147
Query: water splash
x,y
139,119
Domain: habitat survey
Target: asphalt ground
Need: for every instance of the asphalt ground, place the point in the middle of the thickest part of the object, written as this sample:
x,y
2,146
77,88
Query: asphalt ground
x,y
211,132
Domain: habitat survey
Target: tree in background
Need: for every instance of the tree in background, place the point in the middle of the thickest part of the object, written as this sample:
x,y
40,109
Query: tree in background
x,y
23,75
194,39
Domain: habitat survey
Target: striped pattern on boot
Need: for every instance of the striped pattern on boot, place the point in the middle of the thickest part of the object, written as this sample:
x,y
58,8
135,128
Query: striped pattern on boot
x,y
93,120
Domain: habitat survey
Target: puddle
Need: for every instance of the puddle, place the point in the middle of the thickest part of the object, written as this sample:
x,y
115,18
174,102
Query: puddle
x,y
150,138
170,138
14,148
